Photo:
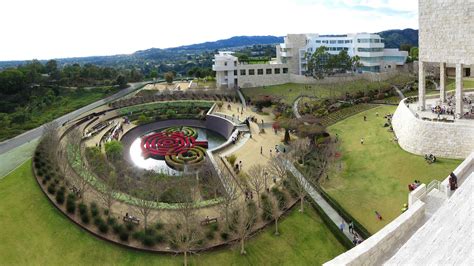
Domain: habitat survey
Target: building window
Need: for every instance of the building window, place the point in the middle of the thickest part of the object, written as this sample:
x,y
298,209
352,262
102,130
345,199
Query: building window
x,y
268,71
242,72
318,41
225,63
340,41
348,41
251,72
260,71
325,41
346,49
277,71
332,41
235,72
235,63
285,70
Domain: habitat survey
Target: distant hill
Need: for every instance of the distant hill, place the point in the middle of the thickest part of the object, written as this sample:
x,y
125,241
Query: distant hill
x,y
395,38
167,56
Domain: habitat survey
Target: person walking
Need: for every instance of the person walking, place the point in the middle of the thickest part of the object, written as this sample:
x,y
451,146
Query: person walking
x,y
362,141
351,227
341,226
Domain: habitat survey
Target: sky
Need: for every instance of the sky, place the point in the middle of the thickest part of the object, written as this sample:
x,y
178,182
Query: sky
x,y
33,29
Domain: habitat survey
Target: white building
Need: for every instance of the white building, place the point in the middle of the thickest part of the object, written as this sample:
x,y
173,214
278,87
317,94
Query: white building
x,y
369,47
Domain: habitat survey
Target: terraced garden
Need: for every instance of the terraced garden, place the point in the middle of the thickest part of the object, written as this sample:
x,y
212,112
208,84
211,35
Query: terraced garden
x,y
344,113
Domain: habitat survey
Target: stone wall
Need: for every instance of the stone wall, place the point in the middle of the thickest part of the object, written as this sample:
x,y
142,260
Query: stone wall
x,y
275,79
448,140
382,245
446,31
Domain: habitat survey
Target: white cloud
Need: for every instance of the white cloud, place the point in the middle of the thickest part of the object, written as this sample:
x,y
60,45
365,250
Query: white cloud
x,y
53,29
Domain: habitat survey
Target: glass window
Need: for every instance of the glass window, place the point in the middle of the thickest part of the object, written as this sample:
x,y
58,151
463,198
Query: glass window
x,y
332,41
277,71
251,72
235,63
318,41
340,41
285,70
235,72
242,72
225,63
260,71
268,71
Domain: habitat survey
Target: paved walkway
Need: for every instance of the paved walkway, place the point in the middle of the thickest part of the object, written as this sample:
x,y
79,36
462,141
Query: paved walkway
x,y
314,194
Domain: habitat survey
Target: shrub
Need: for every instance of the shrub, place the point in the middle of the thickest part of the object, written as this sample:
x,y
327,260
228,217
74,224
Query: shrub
x,y
51,189
70,206
71,197
106,212
123,235
267,208
231,159
210,235
130,226
148,241
111,221
159,238
94,209
85,218
98,221
158,226
60,197
224,236
82,208
214,227
139,235
118,228
281,198
103,228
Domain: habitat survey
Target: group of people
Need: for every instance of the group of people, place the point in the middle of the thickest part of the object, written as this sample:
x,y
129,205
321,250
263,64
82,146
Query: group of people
x,y
442,110
414,185
356,240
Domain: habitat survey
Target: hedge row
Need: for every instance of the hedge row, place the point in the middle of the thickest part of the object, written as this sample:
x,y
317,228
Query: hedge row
x,y
359,228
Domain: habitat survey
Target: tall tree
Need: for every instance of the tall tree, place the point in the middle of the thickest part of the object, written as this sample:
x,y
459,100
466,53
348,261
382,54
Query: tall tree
x,y
256,180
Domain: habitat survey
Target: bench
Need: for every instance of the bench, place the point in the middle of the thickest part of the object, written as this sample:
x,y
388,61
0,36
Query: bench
x,y
131,219
208,221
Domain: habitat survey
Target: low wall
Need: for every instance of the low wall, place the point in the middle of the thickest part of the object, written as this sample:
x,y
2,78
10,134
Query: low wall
x,y
379,247
448,140
269,80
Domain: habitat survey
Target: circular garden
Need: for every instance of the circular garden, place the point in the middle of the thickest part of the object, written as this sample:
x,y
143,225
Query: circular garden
x,y
200,202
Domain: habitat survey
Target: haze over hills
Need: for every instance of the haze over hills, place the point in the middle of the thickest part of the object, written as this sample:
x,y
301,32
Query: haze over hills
x,y
393,39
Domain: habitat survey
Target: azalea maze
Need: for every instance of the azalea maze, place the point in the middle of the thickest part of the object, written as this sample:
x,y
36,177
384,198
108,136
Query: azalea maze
x,y
177,146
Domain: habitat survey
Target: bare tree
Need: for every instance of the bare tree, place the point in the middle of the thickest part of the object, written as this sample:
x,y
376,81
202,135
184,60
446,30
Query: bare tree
x,y
107,194
146,195
300,148
50,140
244,216
256,180
274,211
187,234
230,195
300,190
278,166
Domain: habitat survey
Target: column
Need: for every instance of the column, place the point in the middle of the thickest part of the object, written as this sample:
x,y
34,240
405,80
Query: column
x,y
459,88
442,82
421,86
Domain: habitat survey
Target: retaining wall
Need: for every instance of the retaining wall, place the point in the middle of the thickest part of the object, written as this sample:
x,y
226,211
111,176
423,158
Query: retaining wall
x,y
448,140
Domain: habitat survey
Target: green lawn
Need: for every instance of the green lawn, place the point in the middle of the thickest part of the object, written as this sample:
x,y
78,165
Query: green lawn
x,y
290,91
375,175
33,232
467,84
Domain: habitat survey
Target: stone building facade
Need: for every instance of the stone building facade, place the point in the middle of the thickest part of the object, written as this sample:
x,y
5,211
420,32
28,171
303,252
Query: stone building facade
x,y
446,37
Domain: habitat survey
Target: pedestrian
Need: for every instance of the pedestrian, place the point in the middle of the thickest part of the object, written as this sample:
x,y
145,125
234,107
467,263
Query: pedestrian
x,y
261,150
341,226
270,152
355,240
377,114
351,227
365,118
240,165
362,141
378,216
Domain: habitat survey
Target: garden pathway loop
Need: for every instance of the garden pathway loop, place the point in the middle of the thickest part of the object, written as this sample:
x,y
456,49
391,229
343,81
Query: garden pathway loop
x,y
314,194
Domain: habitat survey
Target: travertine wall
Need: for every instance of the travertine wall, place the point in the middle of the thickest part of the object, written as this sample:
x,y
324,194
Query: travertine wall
x,y
382,245
446,31
448,140
268,80
249,81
